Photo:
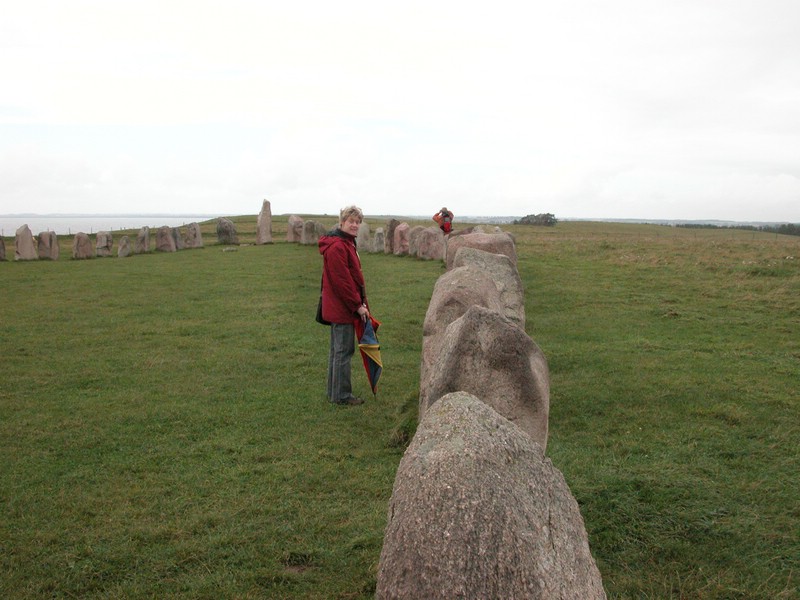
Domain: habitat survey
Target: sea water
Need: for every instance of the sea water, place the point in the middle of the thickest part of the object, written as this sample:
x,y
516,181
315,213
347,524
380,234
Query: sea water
x,y
72,224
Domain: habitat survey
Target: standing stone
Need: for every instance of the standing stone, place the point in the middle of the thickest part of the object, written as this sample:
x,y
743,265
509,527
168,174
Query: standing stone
x,y
362,239
142,244
294,229
379,241
24,248
388,246
82,246
400,244
309,234
164,240
226,232
321,229
477,511
485,354
430,244
48,245
194,237
104,242
413,239
264,224
497,243
124,250
2,249
178,238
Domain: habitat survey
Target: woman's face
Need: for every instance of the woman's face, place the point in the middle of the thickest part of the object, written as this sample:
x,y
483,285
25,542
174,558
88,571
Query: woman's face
x,y
350,225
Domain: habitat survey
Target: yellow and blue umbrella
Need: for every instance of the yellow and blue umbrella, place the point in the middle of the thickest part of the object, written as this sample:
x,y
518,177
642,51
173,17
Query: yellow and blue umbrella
x,y
370,350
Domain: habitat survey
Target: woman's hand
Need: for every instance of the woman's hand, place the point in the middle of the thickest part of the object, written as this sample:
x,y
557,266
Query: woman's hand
x,y
363,312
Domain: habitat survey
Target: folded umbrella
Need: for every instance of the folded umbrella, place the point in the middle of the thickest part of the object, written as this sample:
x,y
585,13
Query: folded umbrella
x,y
370,350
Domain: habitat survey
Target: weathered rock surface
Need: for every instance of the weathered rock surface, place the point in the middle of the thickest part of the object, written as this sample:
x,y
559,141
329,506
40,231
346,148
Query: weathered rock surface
x,y
194,237
477,511
124,249
164,240
142,244
485,354
48,245
496,243
294,229
400,243
310,233
264,224
103,243
379,241
388,246
24,247
226,232
413,239
82,246
430,244
180,244
2,249
363,241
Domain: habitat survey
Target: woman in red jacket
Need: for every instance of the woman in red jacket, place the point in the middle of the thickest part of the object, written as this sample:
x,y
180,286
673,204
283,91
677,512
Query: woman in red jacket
x,y
344,300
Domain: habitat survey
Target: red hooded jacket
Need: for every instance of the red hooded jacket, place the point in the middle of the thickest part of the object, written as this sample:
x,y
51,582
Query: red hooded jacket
x,y
342,280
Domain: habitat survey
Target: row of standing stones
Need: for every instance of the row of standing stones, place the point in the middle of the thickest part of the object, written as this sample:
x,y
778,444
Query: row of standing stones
x,y
477,509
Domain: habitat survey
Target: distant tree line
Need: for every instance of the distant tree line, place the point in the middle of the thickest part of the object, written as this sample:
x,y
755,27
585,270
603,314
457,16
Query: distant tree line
x,y
783,228
546,219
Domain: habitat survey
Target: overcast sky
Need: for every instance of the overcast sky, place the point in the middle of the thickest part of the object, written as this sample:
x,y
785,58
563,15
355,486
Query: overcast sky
x,y
655,109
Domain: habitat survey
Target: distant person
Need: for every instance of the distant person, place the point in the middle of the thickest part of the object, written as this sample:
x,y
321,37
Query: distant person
x,y
445,220
344,300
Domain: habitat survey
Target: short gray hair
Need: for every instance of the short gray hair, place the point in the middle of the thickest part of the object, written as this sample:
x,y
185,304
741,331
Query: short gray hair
x,y
350,211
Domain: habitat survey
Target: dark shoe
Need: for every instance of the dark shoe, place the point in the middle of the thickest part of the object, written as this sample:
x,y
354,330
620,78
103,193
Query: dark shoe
x,y
351,401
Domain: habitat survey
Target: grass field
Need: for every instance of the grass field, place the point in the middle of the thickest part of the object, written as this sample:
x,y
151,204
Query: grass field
x,y
164,431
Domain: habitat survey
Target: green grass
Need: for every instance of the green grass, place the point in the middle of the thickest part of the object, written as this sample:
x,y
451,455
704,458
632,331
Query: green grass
x,y
164,431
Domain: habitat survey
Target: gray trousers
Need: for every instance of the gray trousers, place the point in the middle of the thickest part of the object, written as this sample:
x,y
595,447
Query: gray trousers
x,y
343,339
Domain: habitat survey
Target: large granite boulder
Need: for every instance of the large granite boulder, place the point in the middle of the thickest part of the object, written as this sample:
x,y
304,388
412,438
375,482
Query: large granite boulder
x,y
379,241
294,229
309,233
226,232
496,243
400,243
264,224
48,245
363,241
142,243
24,246
430,244
413,239
194,237
477,511
2,249
388,246
485,354
164,240
180,244
504,275
124,249
82,246
103,243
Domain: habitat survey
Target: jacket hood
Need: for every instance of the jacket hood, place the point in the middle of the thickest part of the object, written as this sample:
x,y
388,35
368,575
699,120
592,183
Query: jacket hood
x,y
334,236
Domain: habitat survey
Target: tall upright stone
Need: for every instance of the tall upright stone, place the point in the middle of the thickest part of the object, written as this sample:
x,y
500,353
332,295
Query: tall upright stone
x,y
294,229
178,238
24,248
142,244
82,246
378,242
363,237
310,233
164,240
194,237
388,246
478,511
2,249
48,245
264,224
104,242
226,232
124,249
401,244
